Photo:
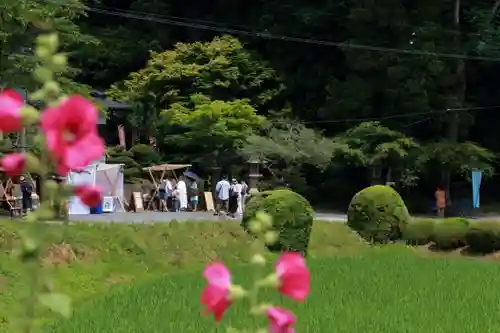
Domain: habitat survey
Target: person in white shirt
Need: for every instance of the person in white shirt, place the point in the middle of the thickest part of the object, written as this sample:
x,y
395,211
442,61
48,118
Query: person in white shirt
x,y
182,194
222,190
236,192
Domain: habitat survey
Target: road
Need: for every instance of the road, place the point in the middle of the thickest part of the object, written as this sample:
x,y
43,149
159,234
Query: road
x,y
148,217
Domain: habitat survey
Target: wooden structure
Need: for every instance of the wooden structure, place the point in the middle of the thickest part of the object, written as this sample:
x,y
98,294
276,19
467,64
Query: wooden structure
x,y
158,173
135,203
9,199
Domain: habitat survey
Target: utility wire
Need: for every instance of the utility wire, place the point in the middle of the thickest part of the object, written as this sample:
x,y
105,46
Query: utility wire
x,y
416,122
224,24
402,115
266,35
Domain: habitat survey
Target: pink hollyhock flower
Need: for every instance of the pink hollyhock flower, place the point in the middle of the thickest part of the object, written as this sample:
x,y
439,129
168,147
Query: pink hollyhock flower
x,y
293,275
71,134
80,153
11,119
280,320
13,164
215,296
90,195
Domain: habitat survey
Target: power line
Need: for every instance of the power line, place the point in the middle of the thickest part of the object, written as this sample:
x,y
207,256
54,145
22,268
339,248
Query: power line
x,y
266,35
402,115
224,24
416,122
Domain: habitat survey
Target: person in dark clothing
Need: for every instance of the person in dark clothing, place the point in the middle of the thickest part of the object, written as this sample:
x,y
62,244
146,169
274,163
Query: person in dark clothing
x,y
26,190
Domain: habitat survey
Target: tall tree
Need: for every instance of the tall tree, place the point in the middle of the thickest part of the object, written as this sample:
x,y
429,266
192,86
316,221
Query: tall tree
x,y
221,69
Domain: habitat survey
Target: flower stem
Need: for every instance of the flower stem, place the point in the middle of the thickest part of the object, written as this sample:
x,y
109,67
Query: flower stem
x,y
32,298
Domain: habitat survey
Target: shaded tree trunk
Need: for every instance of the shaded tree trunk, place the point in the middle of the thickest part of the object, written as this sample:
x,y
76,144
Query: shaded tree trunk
x,y
460,85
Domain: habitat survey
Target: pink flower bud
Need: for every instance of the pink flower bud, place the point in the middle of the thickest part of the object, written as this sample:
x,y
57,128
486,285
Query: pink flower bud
x,y
11,119
13,164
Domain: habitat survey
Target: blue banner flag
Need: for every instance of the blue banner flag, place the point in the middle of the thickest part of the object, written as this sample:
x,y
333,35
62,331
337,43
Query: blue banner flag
x,y
476,185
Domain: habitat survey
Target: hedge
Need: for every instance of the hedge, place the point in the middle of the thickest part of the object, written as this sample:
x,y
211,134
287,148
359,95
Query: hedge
x,y
419,232
453,233
484,237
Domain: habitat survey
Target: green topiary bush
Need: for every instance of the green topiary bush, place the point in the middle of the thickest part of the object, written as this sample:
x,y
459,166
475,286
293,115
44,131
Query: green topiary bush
x,y
419,232
450,233
145,155
378,214
292,218
484,236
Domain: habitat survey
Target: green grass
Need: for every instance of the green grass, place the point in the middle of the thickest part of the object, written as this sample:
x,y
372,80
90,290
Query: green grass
x,y
147,278
105,255
389,290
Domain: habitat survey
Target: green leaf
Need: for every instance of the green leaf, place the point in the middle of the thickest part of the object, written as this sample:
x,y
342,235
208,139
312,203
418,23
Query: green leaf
x,y
57,302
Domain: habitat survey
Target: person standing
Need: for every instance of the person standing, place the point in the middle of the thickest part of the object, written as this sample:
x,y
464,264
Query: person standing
x,y
222,190
174,196
194,195
169,189
440,197
244,195
162,195
27,191
182,194
236,192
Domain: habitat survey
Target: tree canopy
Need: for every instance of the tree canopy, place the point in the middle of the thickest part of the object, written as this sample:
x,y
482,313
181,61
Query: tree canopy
x,y
20,22
212,130
317,89
221,69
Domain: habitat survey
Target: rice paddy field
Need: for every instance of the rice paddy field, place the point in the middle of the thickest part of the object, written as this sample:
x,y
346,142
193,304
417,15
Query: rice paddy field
x,y
386,291
131,279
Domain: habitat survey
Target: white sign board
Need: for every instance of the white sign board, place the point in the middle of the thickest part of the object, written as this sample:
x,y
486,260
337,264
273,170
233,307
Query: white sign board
x,y
108,204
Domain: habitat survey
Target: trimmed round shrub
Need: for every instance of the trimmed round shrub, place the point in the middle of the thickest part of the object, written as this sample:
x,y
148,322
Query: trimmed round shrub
x,y
378,214
484,236
145,155
292,218
419,232
450,233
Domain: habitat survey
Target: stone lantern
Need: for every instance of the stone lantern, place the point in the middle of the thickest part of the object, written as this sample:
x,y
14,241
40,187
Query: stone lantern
x,y
254,175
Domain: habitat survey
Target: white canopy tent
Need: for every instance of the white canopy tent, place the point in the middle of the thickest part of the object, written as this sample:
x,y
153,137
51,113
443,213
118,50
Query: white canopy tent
x,y
107,176
110,178
85,177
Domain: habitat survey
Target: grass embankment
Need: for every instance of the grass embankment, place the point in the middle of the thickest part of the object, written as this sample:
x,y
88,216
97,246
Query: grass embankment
x,y
86,260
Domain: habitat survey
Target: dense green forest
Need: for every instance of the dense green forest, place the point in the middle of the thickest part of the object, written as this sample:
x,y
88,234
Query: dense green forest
x,y
329,95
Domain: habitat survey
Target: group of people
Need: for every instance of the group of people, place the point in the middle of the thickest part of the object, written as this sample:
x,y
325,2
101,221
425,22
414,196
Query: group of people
x,y
231,197
181,195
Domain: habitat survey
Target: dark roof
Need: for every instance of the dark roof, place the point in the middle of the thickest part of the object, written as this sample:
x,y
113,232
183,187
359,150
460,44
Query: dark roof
x,y
108,103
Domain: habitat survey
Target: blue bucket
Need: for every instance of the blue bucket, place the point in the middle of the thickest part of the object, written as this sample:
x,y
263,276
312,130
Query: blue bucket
x,y
96,210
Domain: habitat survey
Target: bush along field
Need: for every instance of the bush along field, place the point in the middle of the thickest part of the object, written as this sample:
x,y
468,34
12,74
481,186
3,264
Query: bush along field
x,y
379,215
369,274
455,235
